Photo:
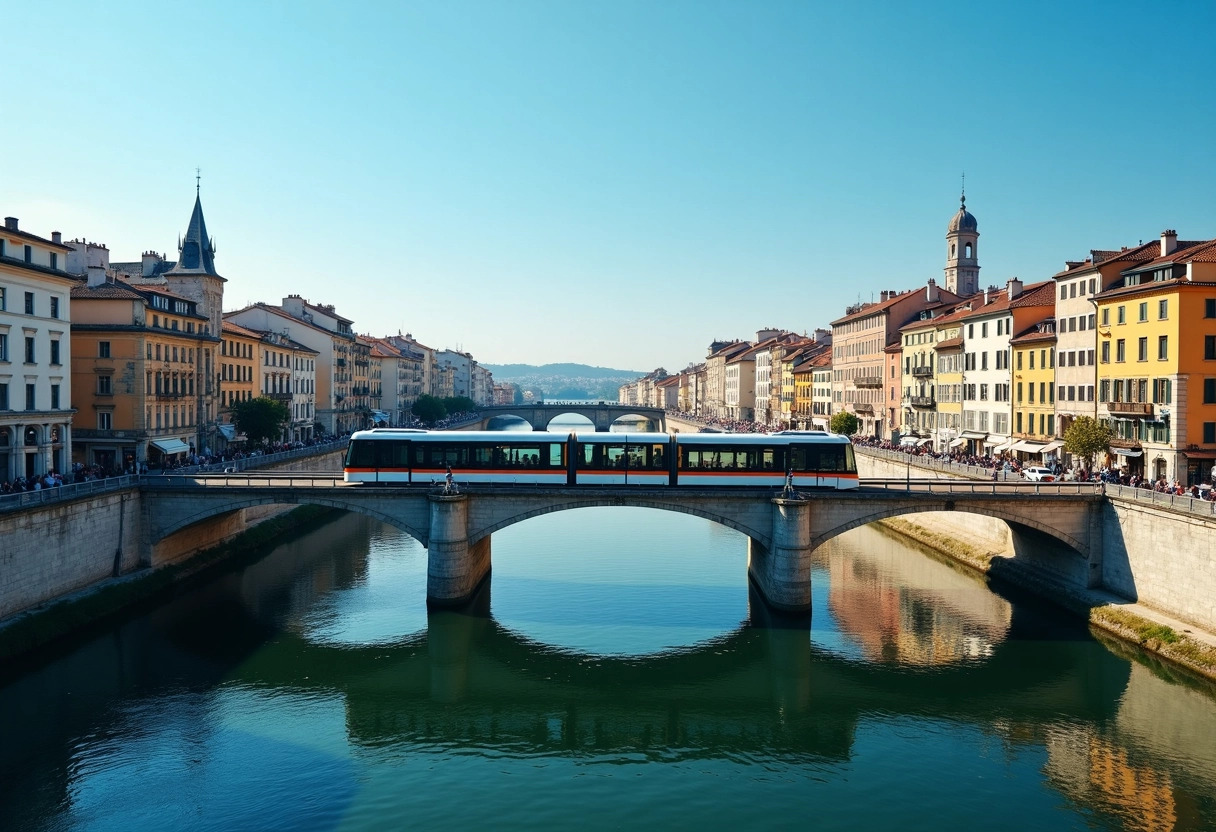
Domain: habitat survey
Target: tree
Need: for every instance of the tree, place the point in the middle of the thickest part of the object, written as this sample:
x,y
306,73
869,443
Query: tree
x,y
1087,436
458,404
261,419
429,409
844,423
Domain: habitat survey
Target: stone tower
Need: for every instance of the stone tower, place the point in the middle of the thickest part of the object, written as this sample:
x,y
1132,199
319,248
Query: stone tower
x,y
962,263
194,275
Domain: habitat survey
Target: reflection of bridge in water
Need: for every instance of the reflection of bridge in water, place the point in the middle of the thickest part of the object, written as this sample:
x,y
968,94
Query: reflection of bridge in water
x,y
763,686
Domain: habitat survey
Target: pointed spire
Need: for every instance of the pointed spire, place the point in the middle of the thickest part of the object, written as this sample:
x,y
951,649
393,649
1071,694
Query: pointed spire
x,y
197,252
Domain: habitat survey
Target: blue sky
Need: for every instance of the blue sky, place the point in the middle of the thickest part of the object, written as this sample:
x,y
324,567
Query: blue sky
x,y
613,183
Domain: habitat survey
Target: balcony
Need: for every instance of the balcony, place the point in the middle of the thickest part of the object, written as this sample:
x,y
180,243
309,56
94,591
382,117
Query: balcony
x,y
868,381
1130,408
863,408
922,371
923,401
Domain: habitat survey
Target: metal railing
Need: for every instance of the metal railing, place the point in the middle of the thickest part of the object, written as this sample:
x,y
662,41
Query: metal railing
x,y
265,479
1177,502
933,464
61,493
1019,488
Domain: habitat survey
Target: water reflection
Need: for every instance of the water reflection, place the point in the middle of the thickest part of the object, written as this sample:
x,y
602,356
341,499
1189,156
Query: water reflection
x,y
314,688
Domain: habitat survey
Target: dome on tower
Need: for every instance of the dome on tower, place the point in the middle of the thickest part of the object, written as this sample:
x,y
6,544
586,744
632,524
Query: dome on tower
x,y
964,220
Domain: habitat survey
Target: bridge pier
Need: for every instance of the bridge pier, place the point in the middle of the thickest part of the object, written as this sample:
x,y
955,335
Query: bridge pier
x,y
782,571
455,569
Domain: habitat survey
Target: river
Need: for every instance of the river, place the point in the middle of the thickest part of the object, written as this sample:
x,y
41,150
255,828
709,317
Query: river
x,y
615,674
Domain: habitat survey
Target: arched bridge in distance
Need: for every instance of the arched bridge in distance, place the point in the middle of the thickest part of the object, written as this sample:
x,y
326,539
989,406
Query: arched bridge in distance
x,y
782,531
601,414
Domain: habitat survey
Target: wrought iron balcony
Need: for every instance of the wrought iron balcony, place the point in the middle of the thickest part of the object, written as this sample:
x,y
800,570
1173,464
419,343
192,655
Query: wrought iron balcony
x,y
922,371
923,401
868,381
863,408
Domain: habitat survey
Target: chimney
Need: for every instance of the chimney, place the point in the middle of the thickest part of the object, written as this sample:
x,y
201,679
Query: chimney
x,y
1015,287
97,276
1169,241
987,297
931,293
10,223
56,238
883,295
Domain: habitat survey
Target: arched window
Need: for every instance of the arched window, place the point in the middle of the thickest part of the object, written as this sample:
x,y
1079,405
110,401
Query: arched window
x,y
31,436
952,248
967,251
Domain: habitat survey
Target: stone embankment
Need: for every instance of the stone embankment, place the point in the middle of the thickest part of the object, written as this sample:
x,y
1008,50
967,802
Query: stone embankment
x,y
1163,557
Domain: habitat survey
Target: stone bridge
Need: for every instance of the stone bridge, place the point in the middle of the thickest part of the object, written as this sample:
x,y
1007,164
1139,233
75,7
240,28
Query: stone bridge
x,y
601,414
782,530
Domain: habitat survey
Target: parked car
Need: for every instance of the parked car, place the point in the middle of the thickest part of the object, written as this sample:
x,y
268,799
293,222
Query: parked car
x,y
1037,474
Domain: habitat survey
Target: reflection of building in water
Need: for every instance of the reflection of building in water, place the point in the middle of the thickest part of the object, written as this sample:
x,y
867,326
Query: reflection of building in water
x,y
1093,771
901,606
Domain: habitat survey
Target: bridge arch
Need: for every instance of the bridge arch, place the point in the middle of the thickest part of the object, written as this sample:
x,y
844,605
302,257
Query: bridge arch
x,y
573,411
652,421
228,506
1013,519
739,525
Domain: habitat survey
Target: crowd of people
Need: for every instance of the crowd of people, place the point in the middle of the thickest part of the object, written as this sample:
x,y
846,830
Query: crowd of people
x,y
725,425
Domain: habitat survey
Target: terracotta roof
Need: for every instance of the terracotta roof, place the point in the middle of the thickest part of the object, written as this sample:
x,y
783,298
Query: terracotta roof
x,y
237,329
1033,335
1038,294
1186,251
824,359
871,308
999,301
949,343
107,291
1152,286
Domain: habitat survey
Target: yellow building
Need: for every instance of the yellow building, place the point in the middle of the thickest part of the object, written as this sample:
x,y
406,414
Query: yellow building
x,y
804,373
1034,392
919,401
1157,363
138,373
236,376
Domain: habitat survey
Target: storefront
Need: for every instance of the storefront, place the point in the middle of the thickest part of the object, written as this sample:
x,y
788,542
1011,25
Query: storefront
x,y
1128,460
1200,467
162,452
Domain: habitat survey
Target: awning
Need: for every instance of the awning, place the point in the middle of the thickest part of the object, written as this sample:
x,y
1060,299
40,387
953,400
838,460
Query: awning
x,y
962,440
993,439
1027,446
1053,445
970,434
1200,454
170,446
1005,446
227,431
379,416
1133,452
925,441
909,440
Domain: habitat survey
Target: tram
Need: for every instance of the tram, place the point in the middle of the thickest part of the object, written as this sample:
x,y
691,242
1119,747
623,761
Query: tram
x,y
403,456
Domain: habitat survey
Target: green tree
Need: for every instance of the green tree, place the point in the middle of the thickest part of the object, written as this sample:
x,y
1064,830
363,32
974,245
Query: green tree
x,y
1087,436
262,419
458,404
844,423
429,409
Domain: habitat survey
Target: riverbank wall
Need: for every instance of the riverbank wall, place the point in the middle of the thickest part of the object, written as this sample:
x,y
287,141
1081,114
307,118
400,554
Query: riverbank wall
x,y
64,547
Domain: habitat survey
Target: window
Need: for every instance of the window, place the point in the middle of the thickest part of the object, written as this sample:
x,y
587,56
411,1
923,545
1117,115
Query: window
x,y
1019,361
1072,290
1120,352
1019,392
1163,309
29,303
30,391
1092,285
29,254
3,346
55,352
1143,309
54,260
1106,317
1209,433
1209,305
103,349
1163,347
1032,359
1209,346
1209,391
1122,316
3,395
4,304
54,307
1063,292
54,397
984,329
1018,422
1090,353
1142,349
105,421
105,386
29,349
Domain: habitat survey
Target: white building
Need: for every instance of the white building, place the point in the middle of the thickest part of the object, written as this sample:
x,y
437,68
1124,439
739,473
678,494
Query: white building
x,y
35,353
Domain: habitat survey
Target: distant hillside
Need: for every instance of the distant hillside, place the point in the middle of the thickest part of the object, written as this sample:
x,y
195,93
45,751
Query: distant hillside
x,y
512,372
564,381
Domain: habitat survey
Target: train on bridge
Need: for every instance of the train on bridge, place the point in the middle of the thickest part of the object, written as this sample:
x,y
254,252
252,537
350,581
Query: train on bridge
x,y
397,456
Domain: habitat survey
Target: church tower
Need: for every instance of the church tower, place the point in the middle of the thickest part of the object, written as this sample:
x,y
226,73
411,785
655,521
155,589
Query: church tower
x,y
962,263
194,275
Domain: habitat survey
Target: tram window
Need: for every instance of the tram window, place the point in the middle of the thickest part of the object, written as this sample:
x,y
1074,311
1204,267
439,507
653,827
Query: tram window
x,y
361,455
657,458
557,455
